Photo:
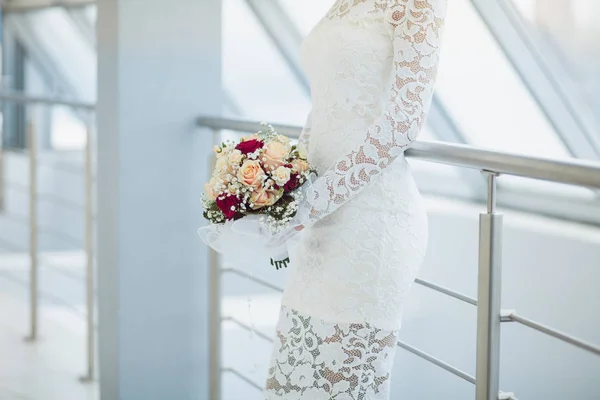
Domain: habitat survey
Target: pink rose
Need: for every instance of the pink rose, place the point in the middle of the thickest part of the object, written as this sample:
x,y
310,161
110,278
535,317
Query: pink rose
x,y
300,165
274,155
251,174
263,197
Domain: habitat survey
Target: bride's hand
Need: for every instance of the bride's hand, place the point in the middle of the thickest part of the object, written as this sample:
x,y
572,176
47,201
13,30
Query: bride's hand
x,y
299,228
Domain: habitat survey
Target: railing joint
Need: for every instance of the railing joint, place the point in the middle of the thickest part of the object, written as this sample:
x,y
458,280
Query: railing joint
x,y
506,315
506,396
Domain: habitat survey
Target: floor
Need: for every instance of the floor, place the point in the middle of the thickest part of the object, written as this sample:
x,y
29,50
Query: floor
x,y
50,367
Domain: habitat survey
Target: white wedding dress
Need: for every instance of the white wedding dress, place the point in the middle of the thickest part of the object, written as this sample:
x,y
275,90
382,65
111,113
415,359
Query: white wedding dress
x,y
372,66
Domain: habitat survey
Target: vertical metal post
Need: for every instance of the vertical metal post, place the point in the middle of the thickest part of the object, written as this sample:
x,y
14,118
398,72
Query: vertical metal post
x,y
2,177
215,327
33,234
89,254
489,298
215,315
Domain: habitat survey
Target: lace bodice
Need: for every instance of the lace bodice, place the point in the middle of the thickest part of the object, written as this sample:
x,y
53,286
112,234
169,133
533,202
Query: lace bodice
x,y
383,72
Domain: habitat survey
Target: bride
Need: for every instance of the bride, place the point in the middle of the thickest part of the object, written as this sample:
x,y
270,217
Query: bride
x,y
372,66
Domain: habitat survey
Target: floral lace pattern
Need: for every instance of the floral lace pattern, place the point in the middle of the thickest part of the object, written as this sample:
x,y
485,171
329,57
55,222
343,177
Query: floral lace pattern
x,y
315,360
415,27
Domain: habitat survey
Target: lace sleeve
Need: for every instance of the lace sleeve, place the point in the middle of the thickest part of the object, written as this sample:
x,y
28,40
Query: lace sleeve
x,y
305,134
416,28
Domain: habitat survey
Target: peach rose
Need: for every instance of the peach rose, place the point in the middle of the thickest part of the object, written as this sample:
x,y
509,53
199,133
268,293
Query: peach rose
x,y
274,154
264,197
251,174
281,175
209,189
300,165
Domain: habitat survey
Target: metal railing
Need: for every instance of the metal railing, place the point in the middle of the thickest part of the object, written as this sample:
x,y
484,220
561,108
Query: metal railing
x,y
490,316
35,196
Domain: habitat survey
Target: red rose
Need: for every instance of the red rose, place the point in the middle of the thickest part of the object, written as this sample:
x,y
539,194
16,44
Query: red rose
x,y
292,184
249,146
226,203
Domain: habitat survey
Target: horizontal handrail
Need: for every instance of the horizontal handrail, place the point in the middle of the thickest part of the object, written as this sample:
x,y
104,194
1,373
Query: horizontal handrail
x,y
242,377
514,317
252,278
401,344
446,291
22,98
439,363
248,328
571,171
29,6
45,197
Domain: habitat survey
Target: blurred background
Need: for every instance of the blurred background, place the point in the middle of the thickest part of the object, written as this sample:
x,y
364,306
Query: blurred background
x,y
516,76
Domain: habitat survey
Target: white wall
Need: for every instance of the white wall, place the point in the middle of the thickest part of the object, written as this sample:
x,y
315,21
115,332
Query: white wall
x,y
550,274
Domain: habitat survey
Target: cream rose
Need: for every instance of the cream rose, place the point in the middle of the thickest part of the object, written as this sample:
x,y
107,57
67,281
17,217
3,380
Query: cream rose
x,y
264,197
235,158
251,174
281,175
300,165
274,155
222,166
283,139
302,153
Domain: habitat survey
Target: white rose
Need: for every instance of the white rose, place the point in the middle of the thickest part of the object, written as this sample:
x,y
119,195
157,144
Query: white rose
x,y
302,153
281,175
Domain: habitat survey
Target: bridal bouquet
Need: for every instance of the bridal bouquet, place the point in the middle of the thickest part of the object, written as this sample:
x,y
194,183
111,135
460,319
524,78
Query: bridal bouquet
x,y
255,190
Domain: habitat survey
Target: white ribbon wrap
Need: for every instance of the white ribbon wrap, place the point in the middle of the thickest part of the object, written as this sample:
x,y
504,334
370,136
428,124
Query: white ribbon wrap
x,y
247,240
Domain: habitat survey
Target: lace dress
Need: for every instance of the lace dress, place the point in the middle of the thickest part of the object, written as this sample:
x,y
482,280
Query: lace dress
x,y
372,66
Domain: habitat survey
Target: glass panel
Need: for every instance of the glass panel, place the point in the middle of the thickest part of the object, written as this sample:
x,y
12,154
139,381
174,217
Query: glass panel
x,y
483,93
569,34
255,73
62,42
90,14
306,13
